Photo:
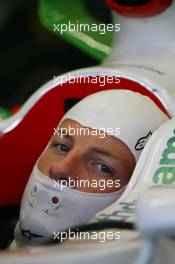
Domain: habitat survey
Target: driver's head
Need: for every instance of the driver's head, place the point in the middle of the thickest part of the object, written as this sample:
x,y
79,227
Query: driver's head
x,y
101,137
93,153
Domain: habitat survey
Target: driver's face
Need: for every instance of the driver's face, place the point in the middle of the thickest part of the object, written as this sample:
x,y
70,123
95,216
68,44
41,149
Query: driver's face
x,y
89,158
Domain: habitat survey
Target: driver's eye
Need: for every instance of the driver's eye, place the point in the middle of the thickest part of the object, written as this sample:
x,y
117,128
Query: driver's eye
x,y
63,147
104,168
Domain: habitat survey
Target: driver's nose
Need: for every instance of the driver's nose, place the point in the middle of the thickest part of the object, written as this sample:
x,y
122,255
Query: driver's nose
x,y
65,169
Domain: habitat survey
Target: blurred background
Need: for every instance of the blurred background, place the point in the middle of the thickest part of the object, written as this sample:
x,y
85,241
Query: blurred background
x,y
31,54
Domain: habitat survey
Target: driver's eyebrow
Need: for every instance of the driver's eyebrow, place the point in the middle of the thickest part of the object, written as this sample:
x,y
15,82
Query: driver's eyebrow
x,y
104,152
